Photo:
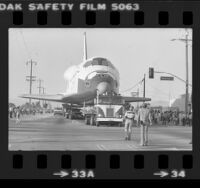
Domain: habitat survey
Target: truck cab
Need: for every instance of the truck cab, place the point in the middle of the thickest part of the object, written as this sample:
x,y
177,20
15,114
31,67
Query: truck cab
x,y
74,113
108,110
58,111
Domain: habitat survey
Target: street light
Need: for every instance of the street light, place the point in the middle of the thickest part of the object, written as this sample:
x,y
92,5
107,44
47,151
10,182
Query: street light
x,y
185,40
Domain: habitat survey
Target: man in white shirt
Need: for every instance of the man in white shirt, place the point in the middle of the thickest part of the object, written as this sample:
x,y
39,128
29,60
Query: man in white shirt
x,y
144,119
129,118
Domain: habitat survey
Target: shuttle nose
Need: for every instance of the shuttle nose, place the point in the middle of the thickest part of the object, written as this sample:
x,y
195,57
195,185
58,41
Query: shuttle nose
x,y
103,87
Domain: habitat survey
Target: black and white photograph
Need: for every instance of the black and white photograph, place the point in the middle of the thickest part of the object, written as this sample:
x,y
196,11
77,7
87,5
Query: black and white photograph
x,y
100,89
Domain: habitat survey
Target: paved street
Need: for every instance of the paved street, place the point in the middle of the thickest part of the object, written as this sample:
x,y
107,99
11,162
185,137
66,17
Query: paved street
x,y
58,133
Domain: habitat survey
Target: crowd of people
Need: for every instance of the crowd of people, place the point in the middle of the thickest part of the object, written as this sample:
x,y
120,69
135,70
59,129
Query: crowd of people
x,y
15,112
171,118
145,116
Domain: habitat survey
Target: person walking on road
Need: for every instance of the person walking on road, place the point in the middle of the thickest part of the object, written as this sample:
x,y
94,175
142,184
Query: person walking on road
x,y
17,115
144,120
129,118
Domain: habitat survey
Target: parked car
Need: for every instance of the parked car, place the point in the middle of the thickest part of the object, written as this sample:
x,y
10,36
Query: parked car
x,y
58,111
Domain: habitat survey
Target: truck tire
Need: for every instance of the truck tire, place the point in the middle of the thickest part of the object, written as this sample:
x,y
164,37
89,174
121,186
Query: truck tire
x,y
87,122
97,123
70,116
91,120
120,124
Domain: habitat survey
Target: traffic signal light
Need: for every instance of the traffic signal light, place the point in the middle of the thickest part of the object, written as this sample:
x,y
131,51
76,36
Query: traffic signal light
x,y
151,72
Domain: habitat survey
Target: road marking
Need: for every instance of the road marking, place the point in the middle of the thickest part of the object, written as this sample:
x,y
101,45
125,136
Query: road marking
x,y
101,147
174,149
132,146
163,149
129,146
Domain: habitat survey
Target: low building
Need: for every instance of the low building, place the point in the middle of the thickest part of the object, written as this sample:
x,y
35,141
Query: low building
x,y
180,102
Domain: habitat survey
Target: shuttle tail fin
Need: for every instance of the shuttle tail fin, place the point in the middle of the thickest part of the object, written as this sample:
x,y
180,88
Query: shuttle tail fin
x,y
85,48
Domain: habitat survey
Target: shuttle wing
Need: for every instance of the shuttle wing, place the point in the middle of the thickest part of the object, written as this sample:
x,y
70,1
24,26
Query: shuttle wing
x,y
77,98
63,98
55,98
135,99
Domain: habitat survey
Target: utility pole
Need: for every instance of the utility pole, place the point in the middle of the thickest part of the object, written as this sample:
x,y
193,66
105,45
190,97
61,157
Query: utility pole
x,y
138,96
185,40
40,86
186,86
30,78
43,92
169,99
144,86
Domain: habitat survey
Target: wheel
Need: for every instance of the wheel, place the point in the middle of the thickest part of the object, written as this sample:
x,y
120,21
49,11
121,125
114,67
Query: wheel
x,y
70,116
120,124
87,122
91,120
97,123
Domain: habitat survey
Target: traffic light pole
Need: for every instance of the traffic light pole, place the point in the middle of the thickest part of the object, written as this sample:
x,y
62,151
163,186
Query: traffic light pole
x,y
173,76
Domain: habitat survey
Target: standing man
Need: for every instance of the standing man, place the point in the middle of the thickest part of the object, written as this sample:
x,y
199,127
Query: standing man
x,y
18,115
144,119
129,118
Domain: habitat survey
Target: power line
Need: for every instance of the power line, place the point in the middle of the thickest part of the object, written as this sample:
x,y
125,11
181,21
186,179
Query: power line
x,y
26,47
133,86
158,89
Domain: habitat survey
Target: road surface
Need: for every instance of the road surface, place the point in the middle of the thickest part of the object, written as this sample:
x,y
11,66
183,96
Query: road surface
x,y
58,133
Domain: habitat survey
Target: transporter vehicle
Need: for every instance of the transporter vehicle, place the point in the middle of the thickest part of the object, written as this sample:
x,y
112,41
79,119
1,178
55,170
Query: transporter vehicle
x,y
74,113
93,76
58,111
108,110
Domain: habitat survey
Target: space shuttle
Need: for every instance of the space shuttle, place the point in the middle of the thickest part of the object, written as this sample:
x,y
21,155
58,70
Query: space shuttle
x,y
83,81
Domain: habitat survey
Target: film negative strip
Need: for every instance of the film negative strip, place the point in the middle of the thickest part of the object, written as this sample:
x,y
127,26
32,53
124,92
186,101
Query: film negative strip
x,y
130,108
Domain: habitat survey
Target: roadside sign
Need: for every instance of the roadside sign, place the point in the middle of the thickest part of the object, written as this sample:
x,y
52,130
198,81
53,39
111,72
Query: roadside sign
x,y
169,78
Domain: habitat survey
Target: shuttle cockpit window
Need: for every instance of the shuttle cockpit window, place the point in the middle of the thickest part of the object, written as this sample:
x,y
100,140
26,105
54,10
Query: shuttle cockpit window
x,y
95,62
99,61
88,63
105,62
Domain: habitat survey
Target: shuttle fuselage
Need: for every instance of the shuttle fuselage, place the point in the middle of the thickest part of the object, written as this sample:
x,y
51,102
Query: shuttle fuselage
x,y
96,74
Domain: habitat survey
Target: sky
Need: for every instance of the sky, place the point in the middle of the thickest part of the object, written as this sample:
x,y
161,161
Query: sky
x,y
131,50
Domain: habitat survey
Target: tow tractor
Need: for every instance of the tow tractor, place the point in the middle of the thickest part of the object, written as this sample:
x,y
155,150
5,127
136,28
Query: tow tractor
x,y
108,110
